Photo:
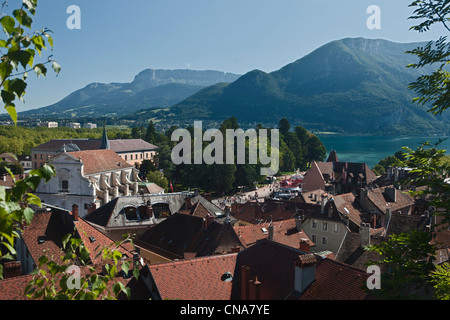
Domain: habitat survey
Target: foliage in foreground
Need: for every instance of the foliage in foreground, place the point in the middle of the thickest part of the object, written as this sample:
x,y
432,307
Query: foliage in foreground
x,y
74,277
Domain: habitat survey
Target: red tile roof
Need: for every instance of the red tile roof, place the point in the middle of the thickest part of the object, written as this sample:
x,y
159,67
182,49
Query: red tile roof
x,y
336,281
380,199
96,161
274,266
284,232
44,234
348,206
195,279
254,212
95,241
14,288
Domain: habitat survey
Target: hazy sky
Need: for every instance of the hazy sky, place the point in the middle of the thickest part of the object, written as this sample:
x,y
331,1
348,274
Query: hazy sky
x,y
118,39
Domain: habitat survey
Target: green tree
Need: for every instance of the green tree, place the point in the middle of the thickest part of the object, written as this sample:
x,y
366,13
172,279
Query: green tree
x,y
158,178
150,134
284,126
294,144
409,256
19,53
406,258
440,278
434,88
15,167
316,151
137,132
145,167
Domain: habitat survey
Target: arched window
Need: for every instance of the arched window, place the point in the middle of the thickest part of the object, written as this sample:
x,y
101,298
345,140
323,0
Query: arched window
x,y
143,212
161,210
131,213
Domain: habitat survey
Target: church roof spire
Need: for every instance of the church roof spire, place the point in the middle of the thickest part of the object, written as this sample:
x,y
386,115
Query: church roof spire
x,y
105,142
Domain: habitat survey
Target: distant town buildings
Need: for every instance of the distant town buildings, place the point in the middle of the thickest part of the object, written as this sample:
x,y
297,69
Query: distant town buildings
x,y
48,124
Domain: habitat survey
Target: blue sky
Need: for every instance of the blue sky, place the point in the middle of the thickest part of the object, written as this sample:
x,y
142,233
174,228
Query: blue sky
x,y
118,39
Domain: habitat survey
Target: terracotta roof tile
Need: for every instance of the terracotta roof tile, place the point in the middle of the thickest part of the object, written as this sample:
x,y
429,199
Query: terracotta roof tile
x,y
381,200
336,281
348,206
96,161
44,236
14,288
196,279
274,265
284,232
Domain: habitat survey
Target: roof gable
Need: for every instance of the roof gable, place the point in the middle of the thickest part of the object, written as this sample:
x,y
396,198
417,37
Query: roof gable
x,y
97,161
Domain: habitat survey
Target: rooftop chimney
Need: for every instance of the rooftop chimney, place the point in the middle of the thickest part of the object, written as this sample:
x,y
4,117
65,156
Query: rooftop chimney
x,y
207,196
271,232
75,212
187,203
305,271
12,269
391,193
304,245
245,278
254,289
323,202
298,223
365,234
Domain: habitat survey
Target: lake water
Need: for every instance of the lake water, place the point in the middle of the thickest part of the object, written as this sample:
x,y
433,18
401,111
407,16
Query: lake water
x,y
370,149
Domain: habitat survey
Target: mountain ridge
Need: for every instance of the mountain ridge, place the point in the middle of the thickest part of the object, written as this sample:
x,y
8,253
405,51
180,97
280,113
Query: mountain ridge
x,y
150,88
352,85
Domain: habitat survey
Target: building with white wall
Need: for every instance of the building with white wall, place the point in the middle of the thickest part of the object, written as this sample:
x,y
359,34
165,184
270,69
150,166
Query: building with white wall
x,y
89,179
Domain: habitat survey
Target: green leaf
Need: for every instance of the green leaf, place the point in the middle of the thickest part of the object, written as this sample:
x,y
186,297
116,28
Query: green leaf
x,y
7,97
125,267
24,57
40,69
31,5
8,24
117,255
5,69
49,39
66,239
16,86
9,247
43,260
11,109
33,199
28,214
39,43
2,193
22,17
32,181
56,67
